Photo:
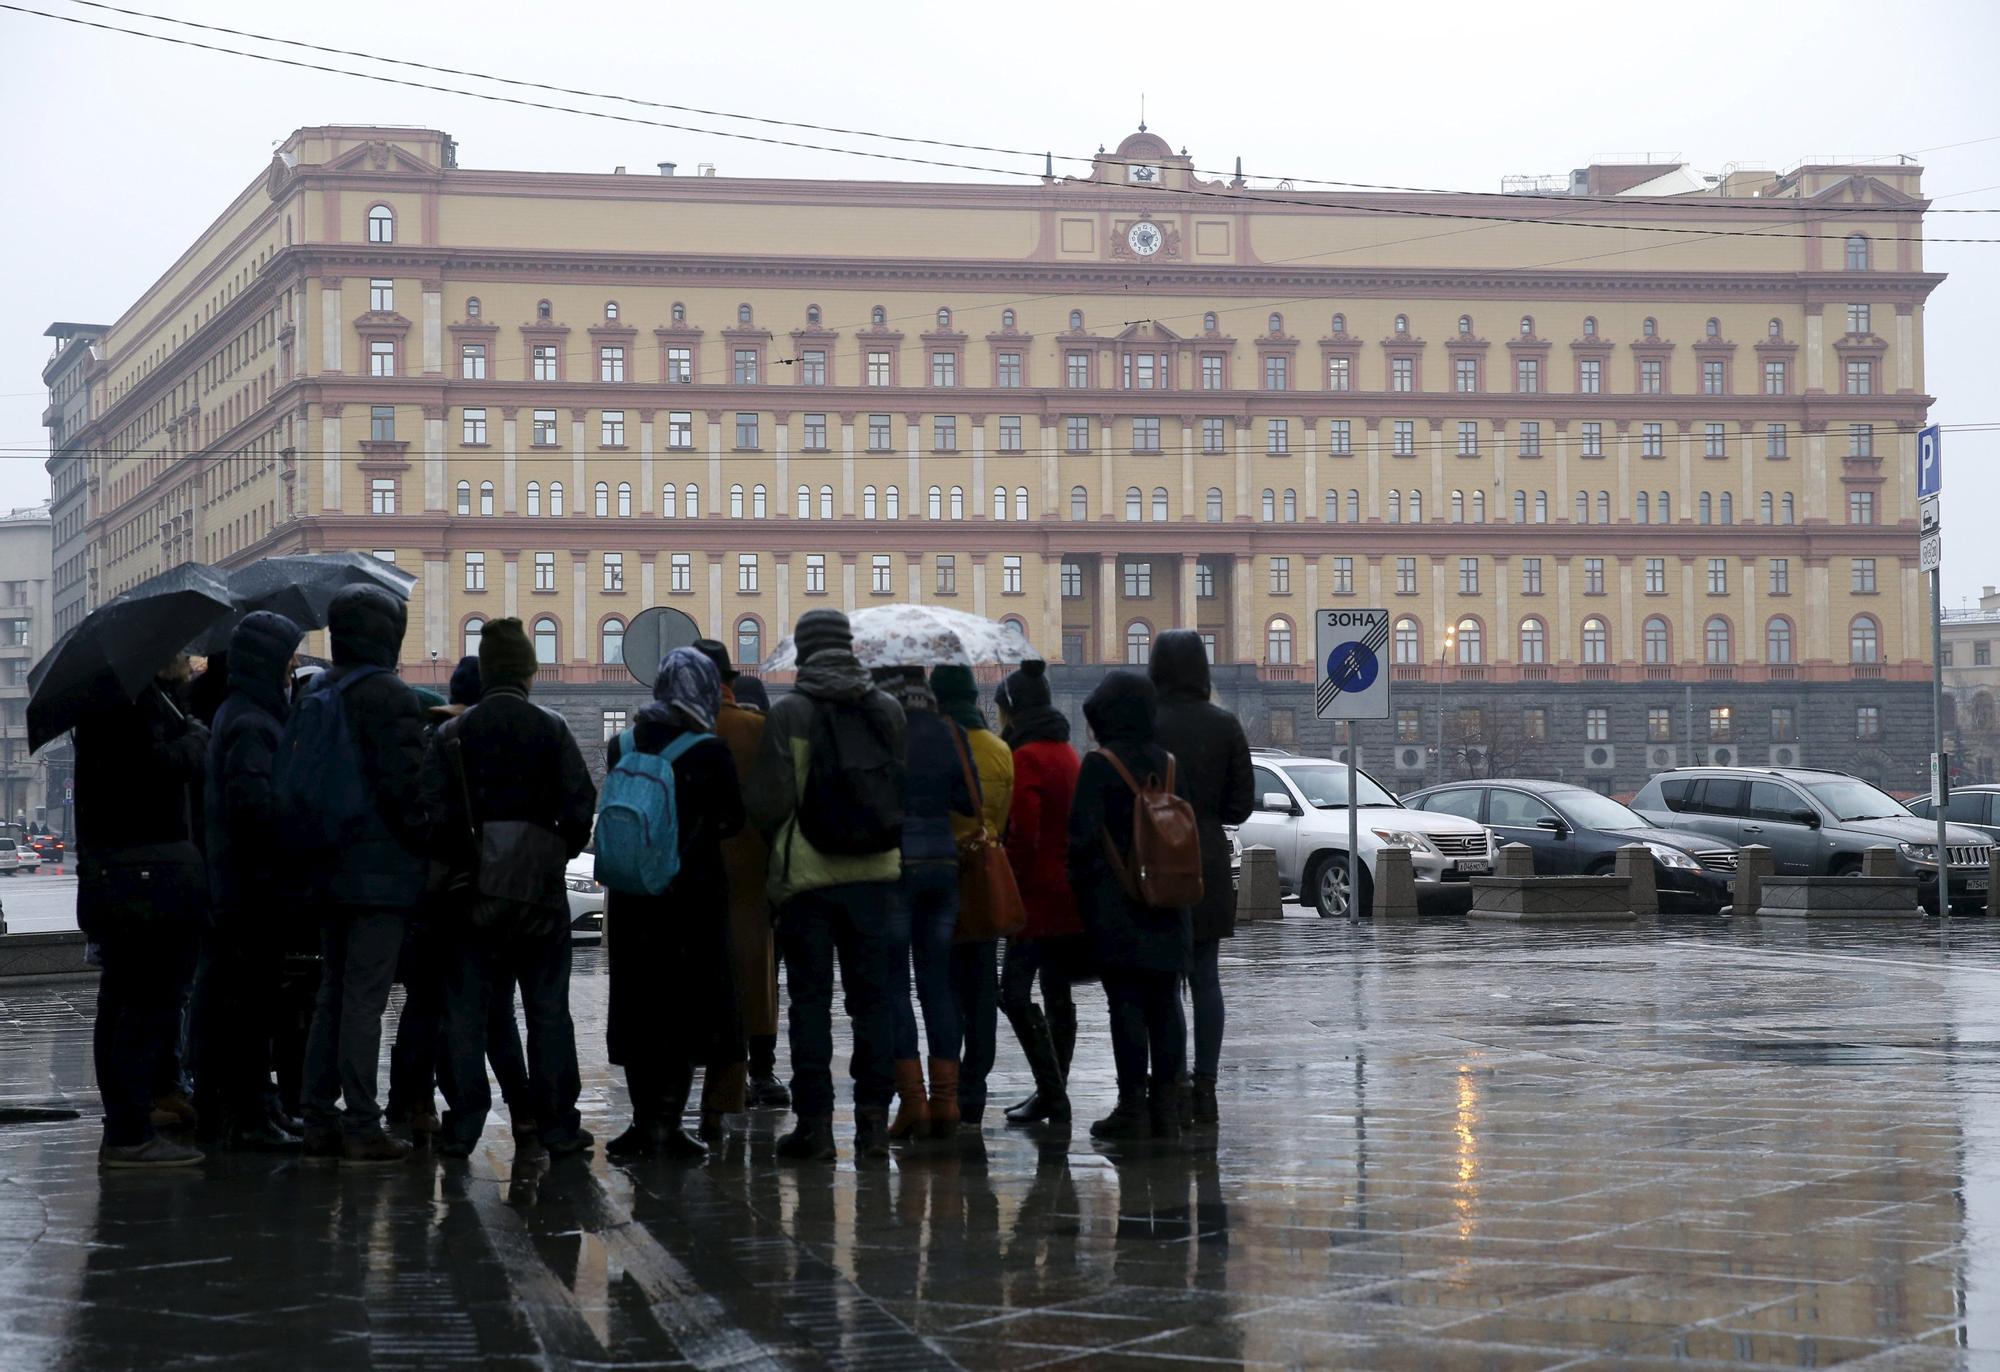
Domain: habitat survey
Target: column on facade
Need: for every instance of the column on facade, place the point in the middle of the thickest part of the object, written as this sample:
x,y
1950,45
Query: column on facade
x,y
1504,641
1625,611
1049,639
913,565
1815,348
1565,630
579,493
1051,471
1113,499
434,470
713,618
913,432
1815,473
330,463
1749,638
433,310
1747,437
1688,461
1304,618
1916,619
437,604
510,461
1623,462
1828,640
1190,507
781,438
1373,442
1185,607
1903,478
783,622
1906,352
1691,635
1564,451
333,324
1108,632
648,578
1435,500
646,491
978,423
1441,616
711,499
1241,571
580,628
979,584
847,466
1309,489
1240,432
510,600
847,582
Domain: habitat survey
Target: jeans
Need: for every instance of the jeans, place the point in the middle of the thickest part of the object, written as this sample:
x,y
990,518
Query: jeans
x,y
236,1016
479,970
1018,970
419,1045
929,917
344,1047
856,923
146,975
975,979
1205,990
1147,1031
503,1047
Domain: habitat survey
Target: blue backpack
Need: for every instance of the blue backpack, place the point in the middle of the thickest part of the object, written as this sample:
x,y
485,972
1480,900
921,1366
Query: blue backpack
x,y
323,795
638,822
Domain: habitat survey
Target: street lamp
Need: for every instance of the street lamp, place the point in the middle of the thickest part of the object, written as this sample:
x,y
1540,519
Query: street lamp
x,y
1444,653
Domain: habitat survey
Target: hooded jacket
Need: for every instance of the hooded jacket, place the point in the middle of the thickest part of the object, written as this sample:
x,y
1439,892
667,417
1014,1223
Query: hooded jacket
x,y
1044,785
778,777
138,779
387,865
1213,763
246,847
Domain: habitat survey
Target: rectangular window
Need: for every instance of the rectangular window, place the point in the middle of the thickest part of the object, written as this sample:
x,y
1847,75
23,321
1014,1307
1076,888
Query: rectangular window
x,y
944,432
1340,438
1405,438
1076,434
878,433
1652,440
1138,579
1010,576
382,423
1343,576
680,429
1861,507
879,581
1593,439
1721,724
1534,724
1010,370
1656,576
1861,575
614,571
545,571
1774,378
1531,438
1211,371
1071,580
475,426
475,571
1277,372
947,574
1146,435
1403,374
1651,376
680,572
742,367
1590,376
1715,442
544,356
680,365
1531,576
1468,576
1774,440
815,573
1982,653
1858,320
1339,374
1409,725
1076,370
1204,581
815,437
1718,576
1211,435
812,367
746,430
1861,440
1784,724
944,369
1860,376
1468,438
1659,724
746,571
610,364
1711,376
1010,433
1278,436
542,431
472,362
1281,576
611,429
1528,375
1597,725
382,296
1593,576
1781,576
1406,576
1465,374
382,357
878,367
1868,723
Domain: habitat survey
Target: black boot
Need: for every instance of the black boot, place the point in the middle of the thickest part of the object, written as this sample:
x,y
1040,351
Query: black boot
x,y
811,1140
1130,1120
765,1091
675,1142
871,1131
1163,1105
1205,1111
1062,1032
1050,1100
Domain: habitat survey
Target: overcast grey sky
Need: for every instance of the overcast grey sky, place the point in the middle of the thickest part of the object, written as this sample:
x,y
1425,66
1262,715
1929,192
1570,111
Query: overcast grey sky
x,y
125,148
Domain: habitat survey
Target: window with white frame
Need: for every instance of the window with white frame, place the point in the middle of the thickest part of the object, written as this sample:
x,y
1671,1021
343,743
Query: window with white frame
x,y
611,363
1010,575
680,429
746,571
474,430
878,575
815,573
545,361
382,496
680,572
614,571
545,571
611,429
947,574
472,362
1138,577
475,571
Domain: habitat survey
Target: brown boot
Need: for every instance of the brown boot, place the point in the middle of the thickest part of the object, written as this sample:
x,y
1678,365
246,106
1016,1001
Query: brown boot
x,y
944,1098
912,1118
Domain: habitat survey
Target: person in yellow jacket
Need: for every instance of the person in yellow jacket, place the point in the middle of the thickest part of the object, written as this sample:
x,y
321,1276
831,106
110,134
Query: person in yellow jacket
x,y
975,970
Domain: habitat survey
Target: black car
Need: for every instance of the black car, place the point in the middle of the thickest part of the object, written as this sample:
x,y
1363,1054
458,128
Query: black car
x,y
1577,832
1975,806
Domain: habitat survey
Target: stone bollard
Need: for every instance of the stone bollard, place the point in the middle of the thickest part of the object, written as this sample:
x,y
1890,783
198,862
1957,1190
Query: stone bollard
x,y
1992,875
1516,860
1879,861
1635,865
1753,864
1257,885
1395,885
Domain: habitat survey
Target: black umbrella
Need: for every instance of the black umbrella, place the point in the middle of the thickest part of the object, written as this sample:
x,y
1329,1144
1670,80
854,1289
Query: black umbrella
x,y
300,588
122,645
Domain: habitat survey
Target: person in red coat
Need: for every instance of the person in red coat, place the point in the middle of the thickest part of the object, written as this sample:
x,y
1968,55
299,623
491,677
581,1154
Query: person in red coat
x,y
1052,942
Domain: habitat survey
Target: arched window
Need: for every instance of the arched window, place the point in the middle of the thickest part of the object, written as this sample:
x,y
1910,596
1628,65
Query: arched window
x,y
670,500
1354,507
1409,642
465,497
1663,508
1402,323
1270,506
611,641
1705,505
1527,326
805,504
999,502
1395,507
1208,322
679,313
944,319
601,493
1520,507
812,315
556,499
1715,639
1785,508
472,307
826,503
1330,510
1764,508
1583,507
1212,505
610,309
1778,640
691,500
625,499
1159,504
1076,321
1458,507
1596,641
1590,326
1534,641
1650,328
545,641
868,502
1291,506
1416,507
1728,511
1006,319
1541,507
1278,640
757,508
1864,640
486,498
1276,322
1857,252
544,310
1645,508
1713,328
1134,510
1471,639
1464,325
474,629
936,502
892,502
534,497
878,316
1340,323
1021,502
1079,504
743,314
1479,507
1659,641
1604,507
381,224
749,640
1138,643
1775,329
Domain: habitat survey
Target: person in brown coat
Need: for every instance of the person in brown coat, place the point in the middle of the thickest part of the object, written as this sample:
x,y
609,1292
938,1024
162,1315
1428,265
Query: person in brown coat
x,y
745,856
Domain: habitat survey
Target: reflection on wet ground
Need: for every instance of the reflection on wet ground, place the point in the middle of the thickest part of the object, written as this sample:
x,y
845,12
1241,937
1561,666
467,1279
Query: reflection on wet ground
x,y
1446,1146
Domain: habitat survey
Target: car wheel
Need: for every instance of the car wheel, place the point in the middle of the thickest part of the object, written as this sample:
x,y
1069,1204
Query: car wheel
x,y
1847,867
1329,888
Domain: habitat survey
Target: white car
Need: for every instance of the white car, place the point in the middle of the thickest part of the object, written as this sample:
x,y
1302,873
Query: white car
x,y
1302,814
586,899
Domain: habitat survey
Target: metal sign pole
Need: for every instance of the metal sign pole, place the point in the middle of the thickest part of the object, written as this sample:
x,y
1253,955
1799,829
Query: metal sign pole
x,y
1353,683
1353,828
1941,788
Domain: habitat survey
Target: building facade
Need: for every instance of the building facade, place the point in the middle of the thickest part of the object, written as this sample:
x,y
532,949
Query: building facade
x,y
26,782
1641,447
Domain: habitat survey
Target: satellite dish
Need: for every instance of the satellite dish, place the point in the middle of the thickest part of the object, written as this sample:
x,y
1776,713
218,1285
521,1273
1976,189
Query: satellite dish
x,y
653,634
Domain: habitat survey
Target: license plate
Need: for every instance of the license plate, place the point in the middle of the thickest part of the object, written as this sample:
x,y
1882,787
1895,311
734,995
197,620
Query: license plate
x,y
1473,865
1971,883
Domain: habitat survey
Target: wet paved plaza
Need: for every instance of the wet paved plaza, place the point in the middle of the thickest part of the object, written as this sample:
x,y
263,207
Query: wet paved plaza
x,y
1444,1146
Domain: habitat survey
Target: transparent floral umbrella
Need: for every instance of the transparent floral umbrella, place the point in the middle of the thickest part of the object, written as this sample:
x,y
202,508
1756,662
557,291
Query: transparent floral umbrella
x,y
922,636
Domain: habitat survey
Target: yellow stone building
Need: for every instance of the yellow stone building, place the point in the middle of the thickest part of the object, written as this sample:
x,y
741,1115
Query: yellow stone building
x,y
1641,433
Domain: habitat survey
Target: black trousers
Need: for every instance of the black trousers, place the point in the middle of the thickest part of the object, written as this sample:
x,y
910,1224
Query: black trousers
x,y
479,970
237,1013
1148,1033
344,1048
147,970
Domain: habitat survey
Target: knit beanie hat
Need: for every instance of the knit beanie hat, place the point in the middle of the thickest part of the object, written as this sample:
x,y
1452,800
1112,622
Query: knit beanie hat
x,y
1025,688
506,657
957,692
465,681
821,631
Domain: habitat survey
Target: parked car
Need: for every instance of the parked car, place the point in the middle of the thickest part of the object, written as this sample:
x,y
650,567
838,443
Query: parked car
x,y
11,838
1815,823
1302,814
30,861
586,899
1975,807
1578,832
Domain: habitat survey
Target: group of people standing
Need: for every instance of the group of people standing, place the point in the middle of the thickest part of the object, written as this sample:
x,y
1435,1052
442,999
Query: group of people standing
x,y
333,812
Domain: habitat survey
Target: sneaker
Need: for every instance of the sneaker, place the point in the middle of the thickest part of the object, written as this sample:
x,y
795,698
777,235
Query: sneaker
x,y
563,1147
174,1111
766,1092
811,1140
263,1137
154,1152
377,1147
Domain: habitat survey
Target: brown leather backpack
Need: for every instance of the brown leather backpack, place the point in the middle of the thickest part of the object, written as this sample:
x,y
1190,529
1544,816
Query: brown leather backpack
x,y
1163,867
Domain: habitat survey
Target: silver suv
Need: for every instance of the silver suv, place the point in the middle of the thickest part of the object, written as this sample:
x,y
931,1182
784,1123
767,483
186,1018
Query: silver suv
x,y
1302,814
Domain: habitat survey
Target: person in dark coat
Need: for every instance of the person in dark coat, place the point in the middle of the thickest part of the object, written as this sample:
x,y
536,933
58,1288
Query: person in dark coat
x,y
1141,951
142,896
508,775
370,884
237,1012
673,989
1214,765
1049,944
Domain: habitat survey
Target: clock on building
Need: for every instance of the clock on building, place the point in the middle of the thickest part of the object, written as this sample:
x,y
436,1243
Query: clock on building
x,y
1144,238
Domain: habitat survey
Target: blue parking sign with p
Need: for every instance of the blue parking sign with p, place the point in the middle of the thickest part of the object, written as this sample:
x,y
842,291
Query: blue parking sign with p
x,y
1930,462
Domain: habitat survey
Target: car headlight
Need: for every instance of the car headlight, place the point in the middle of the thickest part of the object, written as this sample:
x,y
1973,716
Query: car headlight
x,y
1405,838
1672,857
1919,852
583,884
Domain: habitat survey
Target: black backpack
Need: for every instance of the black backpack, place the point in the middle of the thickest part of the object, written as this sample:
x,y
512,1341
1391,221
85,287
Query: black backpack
x,y
852,805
